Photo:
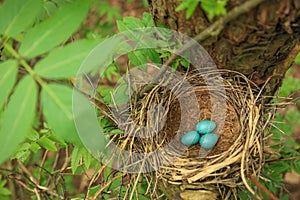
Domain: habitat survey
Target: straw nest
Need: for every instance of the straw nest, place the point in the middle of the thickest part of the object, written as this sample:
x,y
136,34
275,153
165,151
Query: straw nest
x,y
157,120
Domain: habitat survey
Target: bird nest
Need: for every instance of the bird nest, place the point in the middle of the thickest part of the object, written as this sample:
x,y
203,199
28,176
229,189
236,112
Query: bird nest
x,y
157,119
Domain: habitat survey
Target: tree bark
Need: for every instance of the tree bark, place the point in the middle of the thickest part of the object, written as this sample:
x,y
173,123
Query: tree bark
x,y
261,43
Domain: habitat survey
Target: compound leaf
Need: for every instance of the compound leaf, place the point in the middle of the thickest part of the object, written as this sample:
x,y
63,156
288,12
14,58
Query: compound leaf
x,y
16,15
55,29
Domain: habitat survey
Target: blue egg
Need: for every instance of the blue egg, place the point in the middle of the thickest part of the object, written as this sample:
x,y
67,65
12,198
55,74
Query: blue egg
x,y
205,126
190,138
209,140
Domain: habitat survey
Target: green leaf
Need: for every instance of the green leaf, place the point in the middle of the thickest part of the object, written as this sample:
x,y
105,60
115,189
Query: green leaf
x,y
57,139
105,93
2,182
57,109
191,9
184,62
47,144
121,26
181,7
94,189
137,58
297,59
190,5
110,71
87,157
4,191
55,29
128,26
293,117
75,159
285,197
18,117
34,147
153,55
296,165
18,15
132,22
49,8
33,135
214,7
8,74
289,85
22,152
175,65
104,8
65,62
148,20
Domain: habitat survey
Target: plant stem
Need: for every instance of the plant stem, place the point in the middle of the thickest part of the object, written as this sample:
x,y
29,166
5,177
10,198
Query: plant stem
x,y
263,188
24,64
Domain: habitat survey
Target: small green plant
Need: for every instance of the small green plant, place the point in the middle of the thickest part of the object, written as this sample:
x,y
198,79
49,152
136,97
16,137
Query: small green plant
x,y
211,7
4,192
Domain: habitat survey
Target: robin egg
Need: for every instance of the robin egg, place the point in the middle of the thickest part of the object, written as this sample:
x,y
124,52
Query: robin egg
x,y
209,140
205,126
190,138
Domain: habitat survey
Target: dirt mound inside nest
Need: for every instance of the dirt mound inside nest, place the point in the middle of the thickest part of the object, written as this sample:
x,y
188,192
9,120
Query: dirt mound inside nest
x,y
228,133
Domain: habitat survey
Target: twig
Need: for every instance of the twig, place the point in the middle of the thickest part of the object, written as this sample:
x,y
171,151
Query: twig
x,y
106,185
36,184
42,164
24,185
95,177
282,159
213,30
263,188
37,193
26,171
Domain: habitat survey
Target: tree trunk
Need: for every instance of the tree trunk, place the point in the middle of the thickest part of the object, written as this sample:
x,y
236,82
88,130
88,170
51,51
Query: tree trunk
x,y
261,43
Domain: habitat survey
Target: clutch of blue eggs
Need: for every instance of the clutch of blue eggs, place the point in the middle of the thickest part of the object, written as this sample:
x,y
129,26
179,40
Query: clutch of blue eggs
x,y
203,135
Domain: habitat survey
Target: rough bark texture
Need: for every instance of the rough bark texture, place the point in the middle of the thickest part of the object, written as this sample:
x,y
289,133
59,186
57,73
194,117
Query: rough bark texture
x,y
260,44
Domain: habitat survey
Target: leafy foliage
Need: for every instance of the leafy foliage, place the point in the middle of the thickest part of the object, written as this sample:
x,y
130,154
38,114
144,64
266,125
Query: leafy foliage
x,y
139,57
297,59
18,16
64,62
211,7
40,56
105,9
80,155
48,32
4,192
289,84
54,30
